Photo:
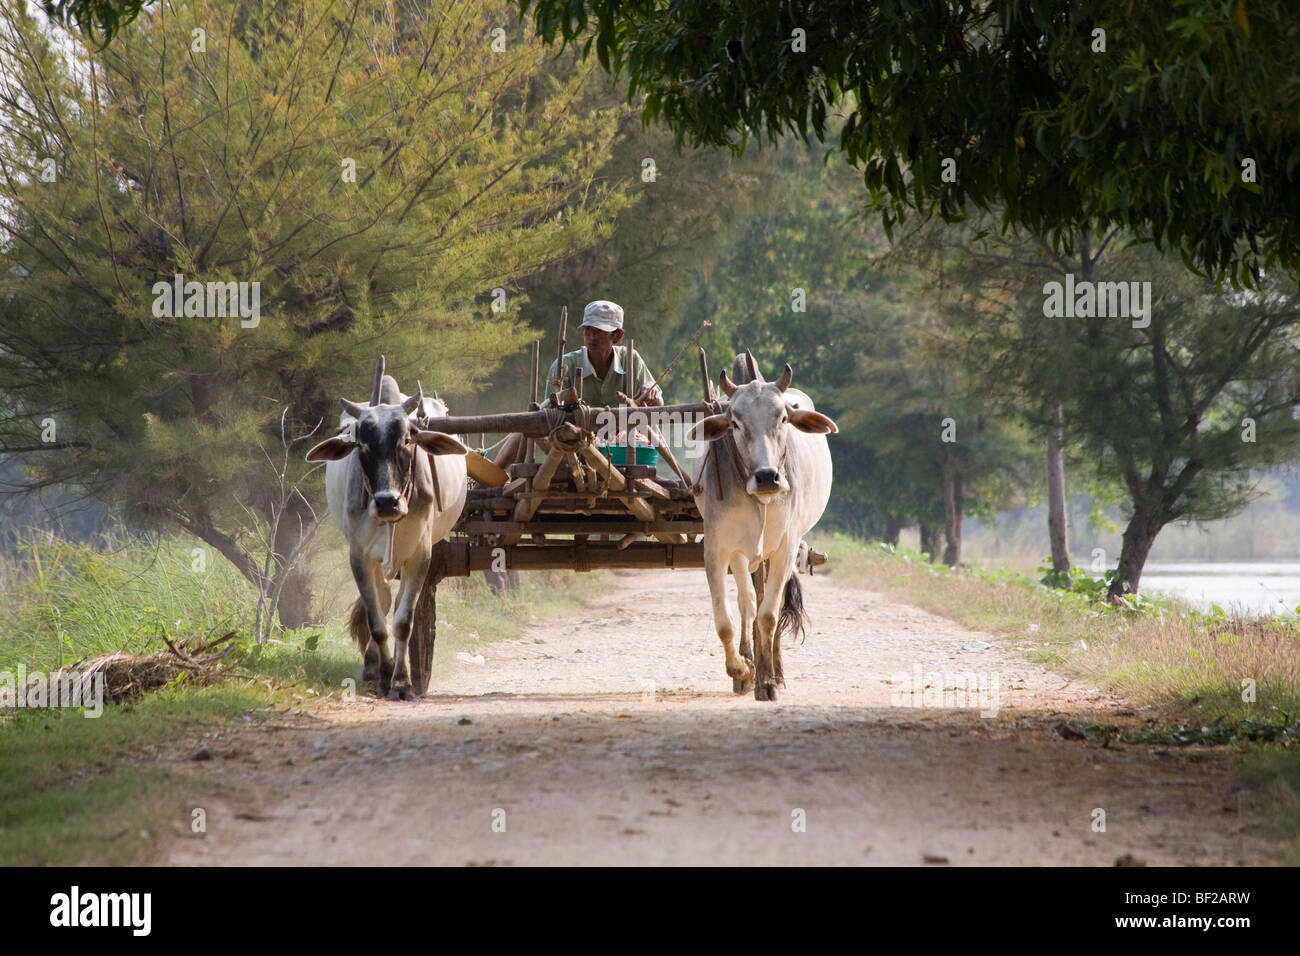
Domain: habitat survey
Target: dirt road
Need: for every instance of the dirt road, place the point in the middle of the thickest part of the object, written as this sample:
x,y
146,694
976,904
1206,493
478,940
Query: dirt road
x,y
613,738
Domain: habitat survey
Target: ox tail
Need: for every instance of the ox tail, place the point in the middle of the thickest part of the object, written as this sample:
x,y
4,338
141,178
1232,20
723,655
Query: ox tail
x,y
359,626
794,616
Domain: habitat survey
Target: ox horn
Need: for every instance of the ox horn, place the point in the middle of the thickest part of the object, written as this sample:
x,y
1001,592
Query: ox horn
x,y
379,380
415,401
728,387
754,374
787,374
352,408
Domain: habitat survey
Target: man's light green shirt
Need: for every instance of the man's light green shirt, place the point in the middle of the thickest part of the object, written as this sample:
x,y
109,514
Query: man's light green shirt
x,y
594,390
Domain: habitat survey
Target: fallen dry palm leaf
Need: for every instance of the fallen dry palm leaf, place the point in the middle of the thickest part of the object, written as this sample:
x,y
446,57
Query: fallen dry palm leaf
x,y
127,675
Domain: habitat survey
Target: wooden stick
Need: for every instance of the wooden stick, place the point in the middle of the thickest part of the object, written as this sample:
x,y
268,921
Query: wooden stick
x,y
559,355
660,445
527,507
629,455
379,378
532,394
704,376
617,482
532,381
538,424
656,489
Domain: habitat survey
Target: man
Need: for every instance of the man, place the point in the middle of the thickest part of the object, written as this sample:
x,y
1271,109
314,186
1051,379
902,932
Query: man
x,y
602,365
602,362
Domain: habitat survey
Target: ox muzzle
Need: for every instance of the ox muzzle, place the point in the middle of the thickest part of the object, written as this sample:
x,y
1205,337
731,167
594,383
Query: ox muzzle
x,y
765,483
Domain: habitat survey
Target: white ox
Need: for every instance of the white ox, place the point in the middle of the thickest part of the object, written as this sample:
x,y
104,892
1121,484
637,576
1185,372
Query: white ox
x,y
775,485
396,489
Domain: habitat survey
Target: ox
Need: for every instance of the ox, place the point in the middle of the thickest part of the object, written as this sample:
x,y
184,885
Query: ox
x,y
772,461
395,489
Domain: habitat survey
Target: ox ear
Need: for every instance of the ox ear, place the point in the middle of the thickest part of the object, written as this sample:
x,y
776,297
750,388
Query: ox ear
x,y
814,423
439,443
332,449
711,429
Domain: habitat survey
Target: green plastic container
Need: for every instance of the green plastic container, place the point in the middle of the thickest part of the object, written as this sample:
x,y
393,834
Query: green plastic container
x,y
645,454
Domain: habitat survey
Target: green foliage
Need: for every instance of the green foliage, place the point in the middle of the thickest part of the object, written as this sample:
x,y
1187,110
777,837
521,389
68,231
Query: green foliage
x,y
74,791
230,163
65,601
1095,590
873,348
1150,134
97,19
658,251
1155,412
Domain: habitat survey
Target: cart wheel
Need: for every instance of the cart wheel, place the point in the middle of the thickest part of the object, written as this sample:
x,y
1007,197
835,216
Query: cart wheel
x,y
424,633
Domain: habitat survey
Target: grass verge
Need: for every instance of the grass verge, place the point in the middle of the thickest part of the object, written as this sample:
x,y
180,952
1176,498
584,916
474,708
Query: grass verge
x,y
93,791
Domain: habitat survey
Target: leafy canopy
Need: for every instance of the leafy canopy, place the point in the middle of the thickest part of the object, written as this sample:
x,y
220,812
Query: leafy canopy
x,y
1150,134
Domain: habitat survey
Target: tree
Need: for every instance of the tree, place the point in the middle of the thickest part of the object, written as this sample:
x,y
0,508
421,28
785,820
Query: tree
x,y
369,176
682,209
1180,405
798,282
1173,119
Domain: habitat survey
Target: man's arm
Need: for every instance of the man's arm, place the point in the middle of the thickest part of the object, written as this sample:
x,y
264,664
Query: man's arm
x,y
648,392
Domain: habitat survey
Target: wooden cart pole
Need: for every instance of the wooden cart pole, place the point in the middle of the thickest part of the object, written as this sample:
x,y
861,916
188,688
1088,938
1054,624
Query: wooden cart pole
x,y
532,396
538,424
704,376
559,355
629,455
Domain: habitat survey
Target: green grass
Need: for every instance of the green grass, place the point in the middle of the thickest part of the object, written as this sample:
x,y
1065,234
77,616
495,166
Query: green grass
x,y
1274,780
64,601
75,790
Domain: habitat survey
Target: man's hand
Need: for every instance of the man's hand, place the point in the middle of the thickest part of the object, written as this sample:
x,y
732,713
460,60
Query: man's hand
x,y
649,395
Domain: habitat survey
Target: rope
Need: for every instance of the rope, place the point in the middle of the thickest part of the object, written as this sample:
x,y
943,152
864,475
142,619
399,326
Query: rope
x,y
565,445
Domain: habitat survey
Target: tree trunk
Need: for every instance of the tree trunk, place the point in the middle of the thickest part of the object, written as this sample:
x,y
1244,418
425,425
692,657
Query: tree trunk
x,y
1057,524
201,527
929,540
952,516
294,607
1138,538
893,527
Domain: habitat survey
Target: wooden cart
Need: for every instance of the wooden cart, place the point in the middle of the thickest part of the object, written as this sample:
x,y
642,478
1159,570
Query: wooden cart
x,y
573,509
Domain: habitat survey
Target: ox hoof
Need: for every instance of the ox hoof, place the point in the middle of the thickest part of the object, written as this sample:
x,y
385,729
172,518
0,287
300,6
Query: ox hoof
x,y
765,692
401,690
741,686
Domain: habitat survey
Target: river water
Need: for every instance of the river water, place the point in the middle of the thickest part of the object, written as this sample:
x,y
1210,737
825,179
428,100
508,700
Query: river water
x,y
1257,587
